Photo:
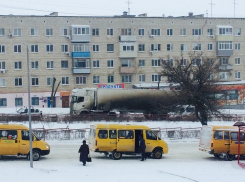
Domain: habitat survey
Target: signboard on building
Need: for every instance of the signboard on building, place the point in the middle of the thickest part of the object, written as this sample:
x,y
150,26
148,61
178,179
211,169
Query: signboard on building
x,y
112,86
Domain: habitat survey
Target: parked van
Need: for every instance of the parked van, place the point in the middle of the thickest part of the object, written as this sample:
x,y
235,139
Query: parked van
x,y
14,140
124,139
221,141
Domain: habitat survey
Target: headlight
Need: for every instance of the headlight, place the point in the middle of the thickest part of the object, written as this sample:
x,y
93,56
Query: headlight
x,y
47,146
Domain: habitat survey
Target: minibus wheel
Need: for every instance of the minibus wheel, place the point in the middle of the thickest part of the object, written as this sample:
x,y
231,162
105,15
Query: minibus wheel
x,y
35,154
229,157
157,154
116,155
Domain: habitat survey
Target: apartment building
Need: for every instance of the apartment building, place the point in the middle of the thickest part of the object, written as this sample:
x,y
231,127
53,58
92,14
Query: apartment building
x,y
87,51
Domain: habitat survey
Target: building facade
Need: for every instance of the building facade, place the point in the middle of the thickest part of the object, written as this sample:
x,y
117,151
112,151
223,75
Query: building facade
x,y
87,51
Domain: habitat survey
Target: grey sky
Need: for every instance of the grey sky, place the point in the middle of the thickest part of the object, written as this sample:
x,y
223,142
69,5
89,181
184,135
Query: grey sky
x,y
221,8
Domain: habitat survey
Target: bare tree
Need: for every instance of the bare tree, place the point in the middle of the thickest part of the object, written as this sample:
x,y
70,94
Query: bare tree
x,y
196,78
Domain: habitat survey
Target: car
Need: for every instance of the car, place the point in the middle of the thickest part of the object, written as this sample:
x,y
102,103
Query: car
x,y
25,111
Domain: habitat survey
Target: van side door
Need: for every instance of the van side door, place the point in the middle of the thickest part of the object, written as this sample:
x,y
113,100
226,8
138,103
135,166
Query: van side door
x,y
151,140
25,142
126,140
219,144
9,144
234,143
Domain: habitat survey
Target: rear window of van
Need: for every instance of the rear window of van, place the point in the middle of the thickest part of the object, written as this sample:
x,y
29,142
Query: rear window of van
x,y
103,134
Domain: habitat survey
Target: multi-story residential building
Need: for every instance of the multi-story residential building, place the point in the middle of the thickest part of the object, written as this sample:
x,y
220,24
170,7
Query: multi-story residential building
x,y
87,51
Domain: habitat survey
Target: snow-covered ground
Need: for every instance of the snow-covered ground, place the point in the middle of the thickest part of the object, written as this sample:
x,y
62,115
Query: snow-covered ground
x,y
183,163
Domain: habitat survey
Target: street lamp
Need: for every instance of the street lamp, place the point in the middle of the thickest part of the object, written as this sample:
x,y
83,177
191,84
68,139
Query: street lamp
x,y
29,108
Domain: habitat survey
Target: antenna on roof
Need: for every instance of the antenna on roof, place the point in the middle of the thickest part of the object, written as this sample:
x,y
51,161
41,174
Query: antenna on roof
x,y
234,7
128,6
211,7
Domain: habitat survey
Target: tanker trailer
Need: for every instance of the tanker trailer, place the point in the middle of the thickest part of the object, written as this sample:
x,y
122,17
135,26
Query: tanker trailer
x,y
86,100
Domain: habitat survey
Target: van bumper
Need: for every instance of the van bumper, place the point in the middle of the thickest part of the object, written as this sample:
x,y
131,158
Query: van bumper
x,y
45,152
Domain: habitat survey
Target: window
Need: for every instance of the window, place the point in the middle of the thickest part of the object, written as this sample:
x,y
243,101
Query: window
x,y
218,135
18,82
234,136
141,47
96,63
110,31
196,32
237,75
2,82
170,32
65,80
49,48
2,32
225,45
141,31
183,62
35,101
238,31
2,65
128,48
183,47
113,134
226,135
210,32
18,102
237,61
34,65
196,62
126,63
17,32
223,60
110,47
49,32
170,47
17,65
237,46
156,78
2,49
8,135
141,78
141,63
126,31
125,134
34,31
182,32
3,102
34,81
50,64
34,48
103,134
81,47
223,75
155,62
110,63
210,47
155,47
169,61
50,81
25,135
64,48
150,135
95,32
196,47
156,32
96,48
110,79
64,64
126,78
81,80
225,31
81,63
80,30
96,79
17,48
64,31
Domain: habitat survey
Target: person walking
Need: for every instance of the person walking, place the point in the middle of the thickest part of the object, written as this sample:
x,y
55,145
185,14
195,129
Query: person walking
x,y
142,148
84,151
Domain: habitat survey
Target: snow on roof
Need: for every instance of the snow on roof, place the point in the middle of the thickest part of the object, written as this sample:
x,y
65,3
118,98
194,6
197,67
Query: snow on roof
x,y
231,83
150,85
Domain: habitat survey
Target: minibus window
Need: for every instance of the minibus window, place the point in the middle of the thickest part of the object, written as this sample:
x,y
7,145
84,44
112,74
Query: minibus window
x,y
25,135
103,134
218,135
234,136
127,134
8,135
150,135
113,134
226,135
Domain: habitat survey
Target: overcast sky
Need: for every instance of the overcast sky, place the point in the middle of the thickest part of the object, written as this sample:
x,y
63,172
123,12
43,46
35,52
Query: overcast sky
x,y
220,8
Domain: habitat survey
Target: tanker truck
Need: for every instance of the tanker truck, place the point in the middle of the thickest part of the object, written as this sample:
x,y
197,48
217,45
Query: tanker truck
x,y
88,100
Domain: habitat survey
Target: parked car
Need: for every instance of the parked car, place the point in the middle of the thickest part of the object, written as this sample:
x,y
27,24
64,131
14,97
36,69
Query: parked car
x,y
25,111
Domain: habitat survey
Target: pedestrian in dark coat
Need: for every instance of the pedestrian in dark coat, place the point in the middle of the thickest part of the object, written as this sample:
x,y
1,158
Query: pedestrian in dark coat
x,y
84,151
142,148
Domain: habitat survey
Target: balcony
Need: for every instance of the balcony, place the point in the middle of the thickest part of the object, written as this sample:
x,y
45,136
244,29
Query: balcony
x,y
81,54
224,52
80,33
226,67
76,70
127,70
127,38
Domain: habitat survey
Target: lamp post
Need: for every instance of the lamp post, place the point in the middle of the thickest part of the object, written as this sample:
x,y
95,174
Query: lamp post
x,y
29,108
